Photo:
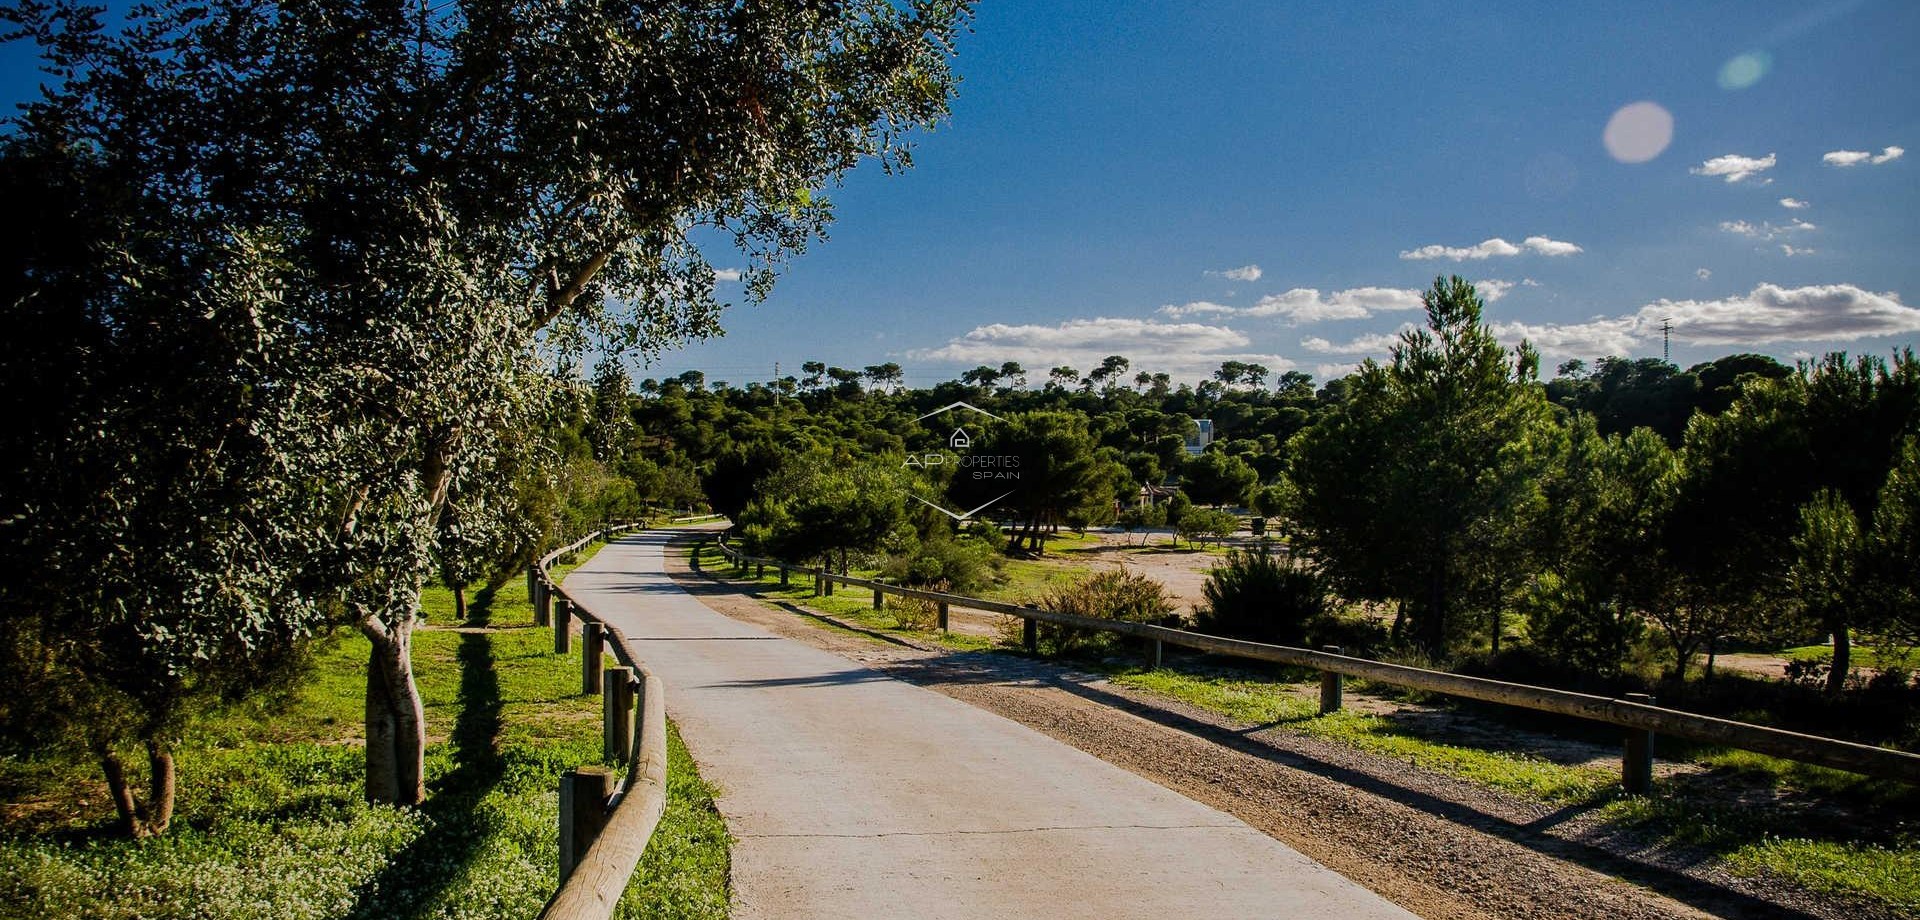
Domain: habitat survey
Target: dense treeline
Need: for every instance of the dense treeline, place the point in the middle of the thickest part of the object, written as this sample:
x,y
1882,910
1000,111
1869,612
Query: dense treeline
x,y
1604,518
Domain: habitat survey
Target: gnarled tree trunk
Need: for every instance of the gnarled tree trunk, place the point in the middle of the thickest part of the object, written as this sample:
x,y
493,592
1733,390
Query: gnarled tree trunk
x,y
396,721
141,818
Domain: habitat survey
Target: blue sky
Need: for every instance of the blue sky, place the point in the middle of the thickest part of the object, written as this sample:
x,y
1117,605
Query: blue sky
x,y
1106,165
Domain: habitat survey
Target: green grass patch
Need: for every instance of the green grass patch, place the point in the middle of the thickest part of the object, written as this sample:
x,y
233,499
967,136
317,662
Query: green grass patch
x,y
853,606
271,823
1025,580
1861,656
1830,857
1891,877
1265,702
1757,842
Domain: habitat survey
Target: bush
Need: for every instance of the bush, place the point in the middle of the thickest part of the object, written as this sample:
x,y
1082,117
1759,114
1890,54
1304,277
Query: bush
x,y
1116,594
1589,635
1264,597
913,612
1199,524
963,564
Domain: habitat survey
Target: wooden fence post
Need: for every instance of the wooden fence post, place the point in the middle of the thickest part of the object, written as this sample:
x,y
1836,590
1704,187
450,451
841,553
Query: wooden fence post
x,y
584,792
616,713
879,599
533,581
592,646
1030,634
562,625
1158,653
828,581
543,604
759,570
784,572
1332,685
819,585
943,616
693,561
1636,767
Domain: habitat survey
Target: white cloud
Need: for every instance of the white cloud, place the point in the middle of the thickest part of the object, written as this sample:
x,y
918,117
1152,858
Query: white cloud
x,y
1736,168
726,274
1307,305
1370,344
1492,289
1857,157
1770,313
1487,249
1332,370
1178,348
1243,273
1765,230
1792,204
1796,250
1547,247
1703,273
1767,315
1573,340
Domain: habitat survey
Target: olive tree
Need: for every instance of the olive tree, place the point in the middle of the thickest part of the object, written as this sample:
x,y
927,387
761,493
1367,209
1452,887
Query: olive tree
x,y
433,191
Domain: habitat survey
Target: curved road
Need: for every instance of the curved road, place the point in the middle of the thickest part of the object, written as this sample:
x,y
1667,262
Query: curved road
x,y
854,795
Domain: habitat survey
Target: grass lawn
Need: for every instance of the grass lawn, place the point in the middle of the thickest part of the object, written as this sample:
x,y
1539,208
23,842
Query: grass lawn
x,y
271,822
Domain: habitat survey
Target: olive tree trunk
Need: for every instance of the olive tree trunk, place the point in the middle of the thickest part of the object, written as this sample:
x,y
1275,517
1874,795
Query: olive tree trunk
x,y
396,721
141,818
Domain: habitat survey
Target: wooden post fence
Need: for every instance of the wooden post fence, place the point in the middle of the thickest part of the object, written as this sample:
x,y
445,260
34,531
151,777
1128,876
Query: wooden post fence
x,y
562,625
616,713
1636,767
592,647
584,792
1331,688
1637,714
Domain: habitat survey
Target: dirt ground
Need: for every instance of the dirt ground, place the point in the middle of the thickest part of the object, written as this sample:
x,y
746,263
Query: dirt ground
x,y
1183,570
1436,845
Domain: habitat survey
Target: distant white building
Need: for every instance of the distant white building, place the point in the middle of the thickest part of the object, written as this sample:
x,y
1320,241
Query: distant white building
x,y
1197,442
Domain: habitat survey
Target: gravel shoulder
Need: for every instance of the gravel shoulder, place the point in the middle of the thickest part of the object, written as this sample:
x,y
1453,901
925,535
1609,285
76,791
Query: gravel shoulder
x,y
1436,845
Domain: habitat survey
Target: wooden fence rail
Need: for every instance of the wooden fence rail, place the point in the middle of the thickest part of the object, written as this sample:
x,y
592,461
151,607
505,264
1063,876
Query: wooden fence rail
x,y
604,825
1637,713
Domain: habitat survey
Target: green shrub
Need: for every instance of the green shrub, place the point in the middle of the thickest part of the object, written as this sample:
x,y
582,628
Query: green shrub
x,y
913,612
962,564
1264,597
1201,524
1587,634
1116,594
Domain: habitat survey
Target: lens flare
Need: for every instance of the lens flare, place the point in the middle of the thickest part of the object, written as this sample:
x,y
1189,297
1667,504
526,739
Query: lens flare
x,y
1745,70
1638,132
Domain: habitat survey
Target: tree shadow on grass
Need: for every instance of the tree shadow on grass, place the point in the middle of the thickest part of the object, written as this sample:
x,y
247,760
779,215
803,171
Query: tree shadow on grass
x,y
413,877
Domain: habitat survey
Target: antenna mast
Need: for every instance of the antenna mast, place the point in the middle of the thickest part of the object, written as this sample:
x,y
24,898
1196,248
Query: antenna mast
x,y
1666,339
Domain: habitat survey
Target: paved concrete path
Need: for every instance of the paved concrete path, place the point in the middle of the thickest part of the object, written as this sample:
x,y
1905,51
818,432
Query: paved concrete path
x,y
854,795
